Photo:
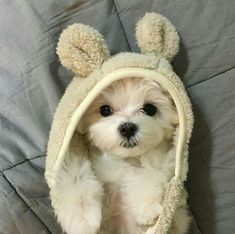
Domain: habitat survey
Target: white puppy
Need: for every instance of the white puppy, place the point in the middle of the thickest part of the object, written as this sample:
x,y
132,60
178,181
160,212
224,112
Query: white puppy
x,y
131,128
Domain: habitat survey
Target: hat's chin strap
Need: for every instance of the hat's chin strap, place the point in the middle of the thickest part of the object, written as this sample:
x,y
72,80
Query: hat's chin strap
x,y
171,201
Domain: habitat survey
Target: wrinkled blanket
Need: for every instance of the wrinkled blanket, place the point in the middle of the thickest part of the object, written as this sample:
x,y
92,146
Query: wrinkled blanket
x,y
32,81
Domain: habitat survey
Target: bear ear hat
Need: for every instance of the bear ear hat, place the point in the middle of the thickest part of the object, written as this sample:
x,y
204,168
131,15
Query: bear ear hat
x,y
156,34
82,49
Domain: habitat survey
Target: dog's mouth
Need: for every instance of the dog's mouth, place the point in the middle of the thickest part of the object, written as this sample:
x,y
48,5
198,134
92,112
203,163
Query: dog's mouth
x,y
129,143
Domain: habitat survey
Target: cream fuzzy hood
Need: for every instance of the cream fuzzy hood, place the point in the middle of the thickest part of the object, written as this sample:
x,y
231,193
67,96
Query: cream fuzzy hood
x,y
83,50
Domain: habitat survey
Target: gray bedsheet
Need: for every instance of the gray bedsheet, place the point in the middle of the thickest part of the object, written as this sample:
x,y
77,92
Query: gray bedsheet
x,y
32,82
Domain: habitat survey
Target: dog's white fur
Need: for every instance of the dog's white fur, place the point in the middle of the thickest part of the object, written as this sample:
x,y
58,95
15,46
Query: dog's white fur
x,y
120,190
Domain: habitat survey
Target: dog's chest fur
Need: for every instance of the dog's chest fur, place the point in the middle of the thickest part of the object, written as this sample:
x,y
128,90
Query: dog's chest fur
x,y
116,216
113,172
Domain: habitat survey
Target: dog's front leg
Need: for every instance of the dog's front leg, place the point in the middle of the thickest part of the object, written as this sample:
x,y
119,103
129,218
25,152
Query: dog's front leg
x,y
143,193
77,197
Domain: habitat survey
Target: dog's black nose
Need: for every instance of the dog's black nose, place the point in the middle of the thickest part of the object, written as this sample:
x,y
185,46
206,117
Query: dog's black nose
x,y
128,129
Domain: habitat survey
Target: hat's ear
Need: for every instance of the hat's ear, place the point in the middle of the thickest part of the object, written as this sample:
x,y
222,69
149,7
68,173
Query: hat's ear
x,y
82,49
155,34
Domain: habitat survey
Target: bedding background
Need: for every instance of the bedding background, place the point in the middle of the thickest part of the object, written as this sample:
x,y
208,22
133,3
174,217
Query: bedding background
x,y
32,82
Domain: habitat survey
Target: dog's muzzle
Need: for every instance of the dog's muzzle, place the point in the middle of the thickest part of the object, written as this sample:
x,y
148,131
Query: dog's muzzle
x,y
128,130
129,143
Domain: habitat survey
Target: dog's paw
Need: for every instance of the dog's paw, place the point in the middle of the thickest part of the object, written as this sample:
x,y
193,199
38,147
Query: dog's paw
x,y
87,226
77,197
149,213
83,221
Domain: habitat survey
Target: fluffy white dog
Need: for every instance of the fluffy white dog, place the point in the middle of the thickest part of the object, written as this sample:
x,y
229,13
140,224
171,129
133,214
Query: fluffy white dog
x,y
131,128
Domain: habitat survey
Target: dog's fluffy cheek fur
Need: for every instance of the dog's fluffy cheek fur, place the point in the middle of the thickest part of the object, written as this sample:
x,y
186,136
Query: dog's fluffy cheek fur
x,y
104,134
78,197
150,132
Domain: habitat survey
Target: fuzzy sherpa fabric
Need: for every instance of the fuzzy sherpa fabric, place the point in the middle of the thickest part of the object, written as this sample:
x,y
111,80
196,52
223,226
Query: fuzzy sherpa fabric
x,y
83,49
155,34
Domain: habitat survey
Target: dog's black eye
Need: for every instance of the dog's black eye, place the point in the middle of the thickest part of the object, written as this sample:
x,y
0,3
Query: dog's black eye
x,y
106,110
149,109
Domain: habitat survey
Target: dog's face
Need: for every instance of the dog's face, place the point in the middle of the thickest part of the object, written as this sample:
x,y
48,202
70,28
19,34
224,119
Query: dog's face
x,y
130,117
